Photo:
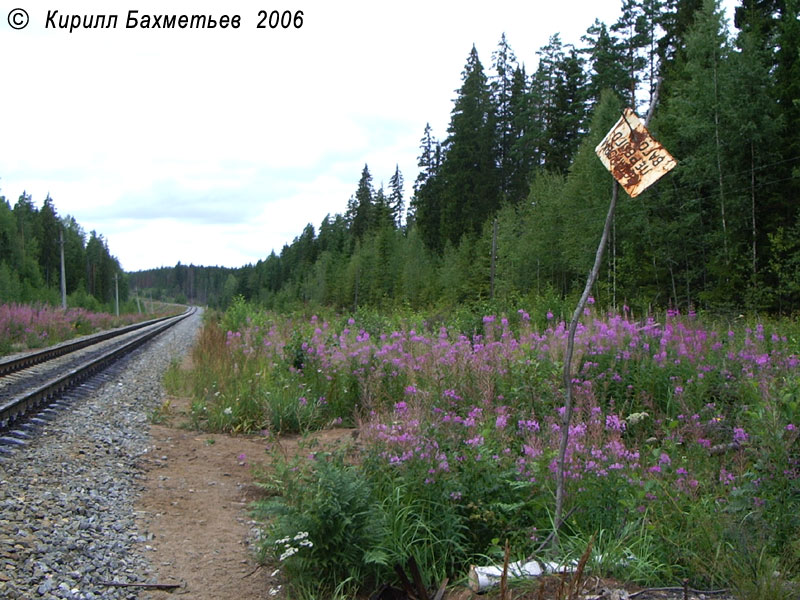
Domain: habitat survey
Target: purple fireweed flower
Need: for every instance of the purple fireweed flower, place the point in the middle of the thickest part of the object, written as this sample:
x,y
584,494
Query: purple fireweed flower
x,y
474,414
530,425
531,451
475,442
614,423
549,315
725,477
302,401
400,407
740,435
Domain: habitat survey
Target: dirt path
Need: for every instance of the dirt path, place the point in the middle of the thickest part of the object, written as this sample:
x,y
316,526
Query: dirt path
x,y
195,505
198,488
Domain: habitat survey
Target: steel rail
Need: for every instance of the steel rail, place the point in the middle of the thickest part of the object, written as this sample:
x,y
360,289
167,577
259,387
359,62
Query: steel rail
x,y
48,391
19,363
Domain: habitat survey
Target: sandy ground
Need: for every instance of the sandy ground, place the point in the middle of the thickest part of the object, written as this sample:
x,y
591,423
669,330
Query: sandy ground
x,y
195,505
198,489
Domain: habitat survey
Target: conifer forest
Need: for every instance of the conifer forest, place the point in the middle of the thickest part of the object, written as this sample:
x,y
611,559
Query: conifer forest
x,y
720,232
510,200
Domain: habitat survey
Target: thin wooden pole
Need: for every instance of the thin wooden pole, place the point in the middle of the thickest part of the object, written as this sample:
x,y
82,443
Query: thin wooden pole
x,y
573,326
567,375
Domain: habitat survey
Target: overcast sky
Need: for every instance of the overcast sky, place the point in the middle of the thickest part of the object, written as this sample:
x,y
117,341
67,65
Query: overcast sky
x,y
215,147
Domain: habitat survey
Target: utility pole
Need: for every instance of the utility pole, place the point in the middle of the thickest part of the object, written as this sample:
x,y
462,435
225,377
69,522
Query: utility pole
x,y
116,293
63,272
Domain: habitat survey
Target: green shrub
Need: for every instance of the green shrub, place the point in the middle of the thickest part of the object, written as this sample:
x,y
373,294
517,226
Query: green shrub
x,y
328,506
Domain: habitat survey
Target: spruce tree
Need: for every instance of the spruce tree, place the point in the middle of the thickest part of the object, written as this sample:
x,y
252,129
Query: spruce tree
x,y
560,95
396,201
360,209
604,55
382,211
502,88
524,134
469,171
425,211
49,228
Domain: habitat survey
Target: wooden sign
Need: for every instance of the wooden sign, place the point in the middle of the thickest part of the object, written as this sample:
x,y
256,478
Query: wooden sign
x,y
634,158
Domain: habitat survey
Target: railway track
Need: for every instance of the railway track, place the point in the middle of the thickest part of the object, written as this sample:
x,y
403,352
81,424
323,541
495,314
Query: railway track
x,y
31,382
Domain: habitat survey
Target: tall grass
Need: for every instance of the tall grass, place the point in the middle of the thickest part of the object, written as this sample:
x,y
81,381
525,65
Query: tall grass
x,y
684,442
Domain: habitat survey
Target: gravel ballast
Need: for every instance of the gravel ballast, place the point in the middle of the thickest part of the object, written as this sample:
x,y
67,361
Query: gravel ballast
x,y
67,493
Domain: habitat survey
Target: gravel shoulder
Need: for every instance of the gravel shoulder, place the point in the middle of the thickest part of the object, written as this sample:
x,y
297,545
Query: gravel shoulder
x,y
67,517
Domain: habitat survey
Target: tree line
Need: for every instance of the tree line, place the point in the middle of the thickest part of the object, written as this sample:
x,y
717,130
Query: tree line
x,y
509,202
30,258
188,284
516,172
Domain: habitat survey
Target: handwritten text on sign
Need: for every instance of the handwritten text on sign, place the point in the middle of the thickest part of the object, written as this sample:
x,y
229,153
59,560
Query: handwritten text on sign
x,y
634,158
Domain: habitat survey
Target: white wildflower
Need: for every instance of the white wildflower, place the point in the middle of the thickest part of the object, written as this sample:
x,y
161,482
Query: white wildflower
x,y
290,551
634,418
